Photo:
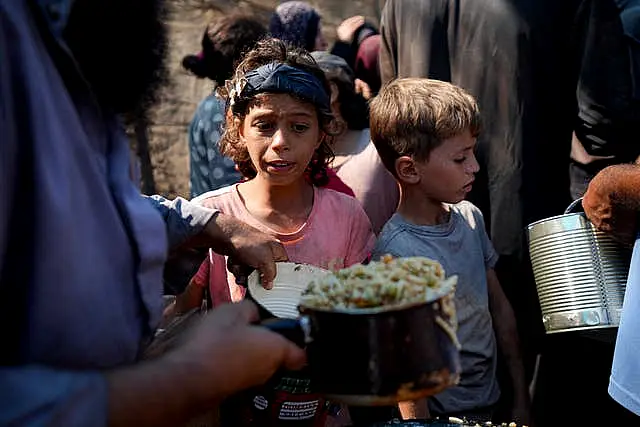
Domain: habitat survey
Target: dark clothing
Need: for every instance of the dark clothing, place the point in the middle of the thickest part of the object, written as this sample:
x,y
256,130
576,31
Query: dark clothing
x,y
608,114
581,174
367,66
362,55
540,69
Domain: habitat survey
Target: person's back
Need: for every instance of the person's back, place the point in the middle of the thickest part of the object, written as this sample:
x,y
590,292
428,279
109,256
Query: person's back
x,y
425,132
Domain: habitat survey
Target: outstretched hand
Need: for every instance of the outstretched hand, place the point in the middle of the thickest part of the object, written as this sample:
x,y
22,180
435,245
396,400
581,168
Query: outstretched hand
x,y
612,202
347,28
232,355
248,248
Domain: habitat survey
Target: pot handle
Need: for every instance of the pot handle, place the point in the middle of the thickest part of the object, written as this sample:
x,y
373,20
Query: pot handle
x,y
575,206
297,331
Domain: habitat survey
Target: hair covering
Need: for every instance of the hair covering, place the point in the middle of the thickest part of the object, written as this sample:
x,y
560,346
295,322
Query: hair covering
x,y
223,43
366,65
280,78
334,67
295,22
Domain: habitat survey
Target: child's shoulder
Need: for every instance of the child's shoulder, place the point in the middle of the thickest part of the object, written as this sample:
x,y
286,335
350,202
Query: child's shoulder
x,y
394,236
213,199
468,211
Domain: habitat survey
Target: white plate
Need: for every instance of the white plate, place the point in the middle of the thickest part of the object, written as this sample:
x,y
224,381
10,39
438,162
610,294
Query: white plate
x,y
292,279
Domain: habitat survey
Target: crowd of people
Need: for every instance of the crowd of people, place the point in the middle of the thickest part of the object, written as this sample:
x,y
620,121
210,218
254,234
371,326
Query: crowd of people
x,y
441,132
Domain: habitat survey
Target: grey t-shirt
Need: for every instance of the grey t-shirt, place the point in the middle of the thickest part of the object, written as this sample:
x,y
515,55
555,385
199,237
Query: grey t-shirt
x,y
463,248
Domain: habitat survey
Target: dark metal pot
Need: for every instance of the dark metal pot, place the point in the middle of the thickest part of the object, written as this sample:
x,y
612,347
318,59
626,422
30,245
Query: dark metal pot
x,y
375,357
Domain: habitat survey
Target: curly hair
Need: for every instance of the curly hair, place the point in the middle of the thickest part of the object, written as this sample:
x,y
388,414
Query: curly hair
x,y
265,52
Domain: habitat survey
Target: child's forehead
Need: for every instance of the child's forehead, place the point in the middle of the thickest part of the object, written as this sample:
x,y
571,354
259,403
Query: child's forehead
x,y
279,102
461,141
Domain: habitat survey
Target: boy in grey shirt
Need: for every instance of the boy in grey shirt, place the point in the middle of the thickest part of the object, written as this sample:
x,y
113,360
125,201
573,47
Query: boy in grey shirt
x,y
425,132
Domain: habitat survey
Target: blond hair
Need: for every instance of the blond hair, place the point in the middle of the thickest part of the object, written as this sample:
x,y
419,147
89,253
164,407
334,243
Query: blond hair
x,y
412,116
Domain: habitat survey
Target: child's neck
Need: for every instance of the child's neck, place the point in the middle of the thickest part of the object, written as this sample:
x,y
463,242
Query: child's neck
x,y
282,208
419,209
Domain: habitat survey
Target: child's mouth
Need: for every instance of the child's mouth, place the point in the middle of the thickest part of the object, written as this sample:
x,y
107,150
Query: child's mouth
x,y
279,166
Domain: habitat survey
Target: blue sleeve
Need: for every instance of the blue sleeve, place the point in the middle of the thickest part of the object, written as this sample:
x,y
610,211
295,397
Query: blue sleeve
x,y
33,395
182,218
38,396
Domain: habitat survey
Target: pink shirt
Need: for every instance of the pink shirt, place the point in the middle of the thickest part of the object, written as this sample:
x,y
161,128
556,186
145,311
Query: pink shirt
x,y
337,234
361,169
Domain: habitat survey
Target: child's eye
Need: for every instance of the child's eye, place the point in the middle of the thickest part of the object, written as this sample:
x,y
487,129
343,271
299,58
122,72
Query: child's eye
x,y
299,127
264,126
460,160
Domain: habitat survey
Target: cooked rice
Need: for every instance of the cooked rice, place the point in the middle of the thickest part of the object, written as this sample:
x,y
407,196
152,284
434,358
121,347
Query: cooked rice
x,y
390,281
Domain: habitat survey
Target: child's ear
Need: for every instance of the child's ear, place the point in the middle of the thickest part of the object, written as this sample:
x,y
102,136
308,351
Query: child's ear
x,y
406,170
238,123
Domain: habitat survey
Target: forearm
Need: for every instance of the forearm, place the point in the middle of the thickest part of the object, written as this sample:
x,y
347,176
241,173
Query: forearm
x,y
504,324
38,395
162,392
505,329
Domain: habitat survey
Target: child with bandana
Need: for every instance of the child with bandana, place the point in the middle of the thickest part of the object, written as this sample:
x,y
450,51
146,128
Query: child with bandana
x,y
279,130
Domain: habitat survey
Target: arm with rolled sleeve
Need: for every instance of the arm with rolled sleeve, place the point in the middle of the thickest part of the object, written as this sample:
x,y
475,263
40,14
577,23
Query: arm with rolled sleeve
x,y
184,219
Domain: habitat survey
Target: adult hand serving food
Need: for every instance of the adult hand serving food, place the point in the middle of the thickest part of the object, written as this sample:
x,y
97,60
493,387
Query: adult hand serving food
x,y
396,316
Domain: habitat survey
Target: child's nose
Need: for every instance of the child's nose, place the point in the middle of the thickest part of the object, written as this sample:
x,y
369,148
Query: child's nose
x,y
279,141
473,166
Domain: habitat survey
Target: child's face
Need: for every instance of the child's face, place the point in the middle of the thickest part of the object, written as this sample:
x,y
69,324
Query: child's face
x,y
281,134
449,173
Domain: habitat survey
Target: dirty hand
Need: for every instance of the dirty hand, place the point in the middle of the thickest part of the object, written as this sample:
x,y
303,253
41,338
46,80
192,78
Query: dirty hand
x,y
348,28
248,248
612,201
225,354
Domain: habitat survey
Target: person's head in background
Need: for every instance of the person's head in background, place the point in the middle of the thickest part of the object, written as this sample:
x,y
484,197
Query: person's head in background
x,y
299,24
358,42
425,132
279,122
349,108
121,50
224,42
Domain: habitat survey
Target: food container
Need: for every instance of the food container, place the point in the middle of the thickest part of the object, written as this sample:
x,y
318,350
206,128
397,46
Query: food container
x,y
375,356
580,272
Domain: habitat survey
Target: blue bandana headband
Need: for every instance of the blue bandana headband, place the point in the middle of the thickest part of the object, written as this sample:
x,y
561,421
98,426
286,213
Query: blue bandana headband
x,y
280,78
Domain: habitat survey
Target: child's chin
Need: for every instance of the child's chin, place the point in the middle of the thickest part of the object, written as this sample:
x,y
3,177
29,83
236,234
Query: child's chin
x,y
455,200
